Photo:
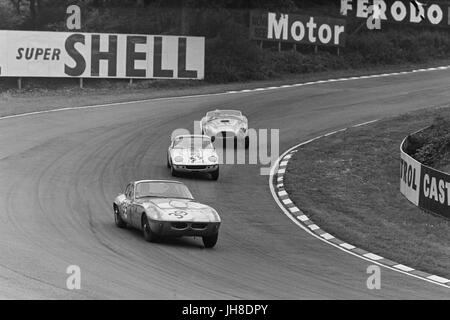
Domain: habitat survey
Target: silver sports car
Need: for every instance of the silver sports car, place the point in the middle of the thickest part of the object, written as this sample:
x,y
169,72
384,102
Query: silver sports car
x,y
193,153
226,124
165,208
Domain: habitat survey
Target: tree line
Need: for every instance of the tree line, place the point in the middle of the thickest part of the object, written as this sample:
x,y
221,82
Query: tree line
x,y
48,14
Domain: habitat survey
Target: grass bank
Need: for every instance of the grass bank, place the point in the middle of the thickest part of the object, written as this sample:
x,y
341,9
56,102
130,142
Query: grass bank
x,y
348,184
431,146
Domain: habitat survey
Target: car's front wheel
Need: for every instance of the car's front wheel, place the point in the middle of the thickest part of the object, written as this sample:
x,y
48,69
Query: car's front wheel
x,y
210,241
168,162
173,171
149,235
215,174
118,219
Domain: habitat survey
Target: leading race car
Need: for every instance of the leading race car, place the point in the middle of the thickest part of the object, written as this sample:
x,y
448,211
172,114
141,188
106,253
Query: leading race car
x,y
193,153
226,124
165,208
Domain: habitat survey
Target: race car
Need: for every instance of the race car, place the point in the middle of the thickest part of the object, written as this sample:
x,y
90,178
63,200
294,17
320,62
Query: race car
x,y
161,208
226,124
192,153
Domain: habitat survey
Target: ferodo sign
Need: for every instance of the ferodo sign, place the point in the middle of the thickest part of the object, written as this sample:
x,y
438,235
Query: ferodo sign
x,y
296,28
89,55
426,187
415,12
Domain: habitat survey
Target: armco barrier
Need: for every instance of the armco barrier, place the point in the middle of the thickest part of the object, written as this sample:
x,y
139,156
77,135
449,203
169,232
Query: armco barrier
x,y
427,188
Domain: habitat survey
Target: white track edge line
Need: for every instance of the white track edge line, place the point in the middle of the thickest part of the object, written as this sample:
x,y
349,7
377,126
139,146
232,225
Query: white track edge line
x,y
350,78
291,217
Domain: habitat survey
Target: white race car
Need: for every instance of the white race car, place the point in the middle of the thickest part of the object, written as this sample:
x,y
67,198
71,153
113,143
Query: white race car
x,y
163,208
226,124
193,153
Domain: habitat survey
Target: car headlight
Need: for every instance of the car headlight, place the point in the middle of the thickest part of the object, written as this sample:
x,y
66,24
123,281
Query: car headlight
x,y
212,158
178,159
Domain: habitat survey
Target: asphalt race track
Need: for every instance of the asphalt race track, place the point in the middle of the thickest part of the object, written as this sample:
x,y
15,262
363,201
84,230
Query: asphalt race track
x,y
60,171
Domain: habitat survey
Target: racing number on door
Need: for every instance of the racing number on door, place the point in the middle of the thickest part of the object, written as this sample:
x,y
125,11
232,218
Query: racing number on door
x,y
125,206
179,214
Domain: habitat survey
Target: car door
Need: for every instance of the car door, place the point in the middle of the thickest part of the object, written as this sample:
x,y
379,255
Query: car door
x,y
169,153
134,209
126,204
202,125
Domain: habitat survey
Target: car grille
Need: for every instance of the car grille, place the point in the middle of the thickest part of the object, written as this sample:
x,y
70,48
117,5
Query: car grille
x,y
198,225
184,225
226,134
195,167
179,225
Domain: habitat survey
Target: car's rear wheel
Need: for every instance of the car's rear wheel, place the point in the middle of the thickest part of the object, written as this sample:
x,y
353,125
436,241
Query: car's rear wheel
x,y
215,174
210,241
149,235
118,219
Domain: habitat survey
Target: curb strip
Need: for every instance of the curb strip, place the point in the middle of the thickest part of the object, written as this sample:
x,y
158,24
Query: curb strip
x,y
287,205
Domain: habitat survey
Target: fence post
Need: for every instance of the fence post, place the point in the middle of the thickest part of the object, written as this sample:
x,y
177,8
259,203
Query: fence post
x,y
81,83
131,82
19,83
279,46
316,49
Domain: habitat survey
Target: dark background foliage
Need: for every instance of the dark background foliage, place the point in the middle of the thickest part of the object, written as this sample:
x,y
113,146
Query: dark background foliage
x,y
230,55
432,145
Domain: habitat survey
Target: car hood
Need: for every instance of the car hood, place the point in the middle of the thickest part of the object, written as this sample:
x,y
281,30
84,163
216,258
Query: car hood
x,y
173,209
224,124
194,156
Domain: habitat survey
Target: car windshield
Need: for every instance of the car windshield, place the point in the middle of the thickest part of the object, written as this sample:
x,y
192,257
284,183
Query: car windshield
x,y
162,190
223,113
193,143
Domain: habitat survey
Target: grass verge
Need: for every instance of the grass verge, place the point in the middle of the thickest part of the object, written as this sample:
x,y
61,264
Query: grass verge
x,y
348,184
46,94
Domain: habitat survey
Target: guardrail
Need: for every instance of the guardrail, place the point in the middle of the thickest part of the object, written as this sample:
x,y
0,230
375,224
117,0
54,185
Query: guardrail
x,y
427,188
